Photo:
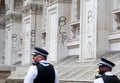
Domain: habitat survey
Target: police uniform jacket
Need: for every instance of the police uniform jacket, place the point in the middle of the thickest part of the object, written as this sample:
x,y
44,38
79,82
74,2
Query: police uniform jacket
x,y
33,72
100,79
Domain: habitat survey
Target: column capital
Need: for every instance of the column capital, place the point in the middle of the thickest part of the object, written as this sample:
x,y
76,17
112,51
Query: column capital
x,y
32,9
13,18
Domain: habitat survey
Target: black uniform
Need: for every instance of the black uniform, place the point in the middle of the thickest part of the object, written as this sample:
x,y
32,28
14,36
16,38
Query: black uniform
x,y
46,74
110,79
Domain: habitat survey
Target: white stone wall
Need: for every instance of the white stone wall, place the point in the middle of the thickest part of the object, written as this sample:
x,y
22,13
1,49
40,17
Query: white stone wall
x,y
2,43
91,29
104,25
2,31
26,40
115,30
55,32
8,44
52,31
97,23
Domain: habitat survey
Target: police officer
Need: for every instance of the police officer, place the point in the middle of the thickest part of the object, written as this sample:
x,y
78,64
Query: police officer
x,y
41,71
105,74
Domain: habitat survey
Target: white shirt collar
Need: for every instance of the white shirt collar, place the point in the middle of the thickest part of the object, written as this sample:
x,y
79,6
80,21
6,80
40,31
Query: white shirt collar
x,y
44,63
108,73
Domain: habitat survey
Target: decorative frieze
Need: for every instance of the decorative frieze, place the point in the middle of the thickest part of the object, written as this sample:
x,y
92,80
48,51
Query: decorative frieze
x,y
13,18
32,9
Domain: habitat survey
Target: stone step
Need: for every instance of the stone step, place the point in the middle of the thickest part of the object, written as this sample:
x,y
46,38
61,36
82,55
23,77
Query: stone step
x,y
70,70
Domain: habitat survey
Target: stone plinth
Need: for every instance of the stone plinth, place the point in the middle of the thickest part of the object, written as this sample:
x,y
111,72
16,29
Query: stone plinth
x,y
5,71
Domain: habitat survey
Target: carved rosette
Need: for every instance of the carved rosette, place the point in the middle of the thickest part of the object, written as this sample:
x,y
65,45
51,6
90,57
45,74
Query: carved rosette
x,y
32,9
13,18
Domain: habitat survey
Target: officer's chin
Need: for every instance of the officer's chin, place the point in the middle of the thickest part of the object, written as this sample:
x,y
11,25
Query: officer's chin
x,y
101,72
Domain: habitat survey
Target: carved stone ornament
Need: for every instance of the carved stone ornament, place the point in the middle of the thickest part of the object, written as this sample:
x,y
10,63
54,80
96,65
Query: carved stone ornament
x,y
13,18
32,9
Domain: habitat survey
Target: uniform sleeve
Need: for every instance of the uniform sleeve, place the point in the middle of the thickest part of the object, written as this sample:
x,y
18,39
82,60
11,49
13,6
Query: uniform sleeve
x,y
99,80
31,74
56,77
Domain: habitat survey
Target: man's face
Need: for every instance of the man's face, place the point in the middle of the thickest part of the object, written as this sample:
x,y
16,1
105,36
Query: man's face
x,y
36,58
103,69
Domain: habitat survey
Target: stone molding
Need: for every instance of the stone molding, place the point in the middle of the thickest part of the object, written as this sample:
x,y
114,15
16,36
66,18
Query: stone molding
x,y
13,18
32,9
64,1
59,1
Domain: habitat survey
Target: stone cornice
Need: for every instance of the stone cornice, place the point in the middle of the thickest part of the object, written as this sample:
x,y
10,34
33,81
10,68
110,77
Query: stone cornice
x,y
59,1
32,9
13,18
64,1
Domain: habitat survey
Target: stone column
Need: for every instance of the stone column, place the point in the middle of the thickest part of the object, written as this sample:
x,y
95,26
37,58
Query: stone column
x,y
13,29
94,29
5,72
57,28
32,23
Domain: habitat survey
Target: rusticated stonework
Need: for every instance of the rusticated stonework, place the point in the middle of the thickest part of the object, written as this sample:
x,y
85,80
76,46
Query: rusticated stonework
x,y
13,18
32,9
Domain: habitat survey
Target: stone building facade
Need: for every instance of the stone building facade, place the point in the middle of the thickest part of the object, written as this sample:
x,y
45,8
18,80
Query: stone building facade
x,y
84,28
